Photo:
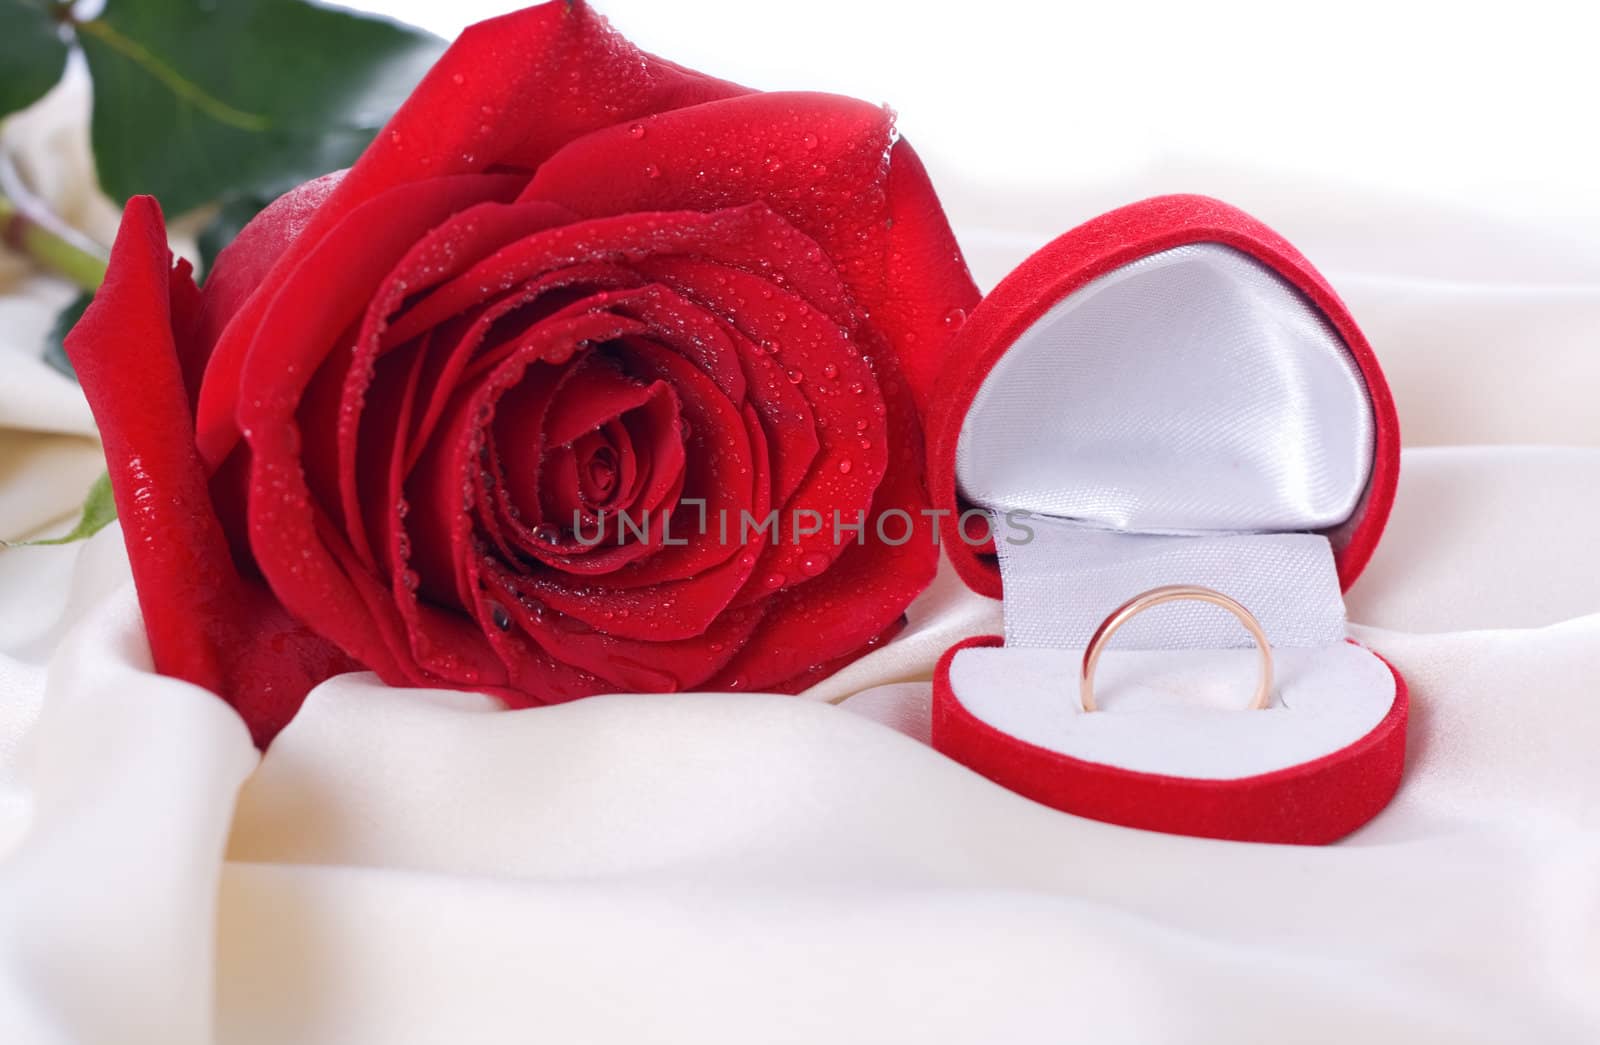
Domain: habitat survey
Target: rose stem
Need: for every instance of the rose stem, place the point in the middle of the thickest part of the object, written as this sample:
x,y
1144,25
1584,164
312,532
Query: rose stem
x,y
28,227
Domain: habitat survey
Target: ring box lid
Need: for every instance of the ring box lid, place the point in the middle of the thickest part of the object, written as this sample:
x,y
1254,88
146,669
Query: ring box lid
x,y
1176,380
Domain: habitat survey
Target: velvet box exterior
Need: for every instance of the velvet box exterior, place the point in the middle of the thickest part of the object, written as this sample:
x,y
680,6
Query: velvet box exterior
x,y
1309,802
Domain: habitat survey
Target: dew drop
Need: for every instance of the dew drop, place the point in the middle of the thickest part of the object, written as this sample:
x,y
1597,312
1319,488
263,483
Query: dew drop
x,y
772,164
796,376
812,565
502,619
809,141
636,131
652,171
955,317
845,466
774,580
830,371
458,79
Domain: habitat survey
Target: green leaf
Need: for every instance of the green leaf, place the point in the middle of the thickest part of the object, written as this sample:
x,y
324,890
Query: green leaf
x,y
231,218
55,352
195,100
99,511
33,52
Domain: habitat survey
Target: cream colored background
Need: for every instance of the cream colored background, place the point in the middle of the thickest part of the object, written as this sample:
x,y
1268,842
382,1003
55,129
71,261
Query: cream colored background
x,y
410,866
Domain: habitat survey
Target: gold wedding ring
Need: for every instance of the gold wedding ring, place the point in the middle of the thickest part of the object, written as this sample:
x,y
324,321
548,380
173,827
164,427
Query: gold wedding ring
x,y
1156,597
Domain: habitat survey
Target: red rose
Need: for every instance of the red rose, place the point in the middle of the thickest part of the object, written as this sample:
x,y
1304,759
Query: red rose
x,y
470,414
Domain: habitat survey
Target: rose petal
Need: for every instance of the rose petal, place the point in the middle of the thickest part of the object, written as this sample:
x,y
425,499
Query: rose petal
x,y
512,90
866,590
296,333
750,237
599,392
458,345
517,458
823,669
842,390
829,165
442,252
347,269
722,473
507,93
927,290
205,624
629,663
241,268
443,489
693,332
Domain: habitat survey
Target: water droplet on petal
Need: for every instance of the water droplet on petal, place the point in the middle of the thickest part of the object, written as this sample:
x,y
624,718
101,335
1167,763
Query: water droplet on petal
x,y
652,171
796,376
636,131
502,619
812,565
458,79
830,371
955,317
845,466
809,141
774,580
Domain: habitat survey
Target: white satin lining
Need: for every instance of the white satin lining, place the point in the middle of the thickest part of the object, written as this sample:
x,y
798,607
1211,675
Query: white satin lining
x,y
1190,391
1179,713
1063,583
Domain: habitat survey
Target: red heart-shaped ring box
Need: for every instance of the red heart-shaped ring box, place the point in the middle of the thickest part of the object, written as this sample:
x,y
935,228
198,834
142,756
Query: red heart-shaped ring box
x,y
1169,394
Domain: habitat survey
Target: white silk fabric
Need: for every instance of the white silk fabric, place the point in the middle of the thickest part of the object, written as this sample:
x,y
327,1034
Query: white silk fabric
x,y
416,867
